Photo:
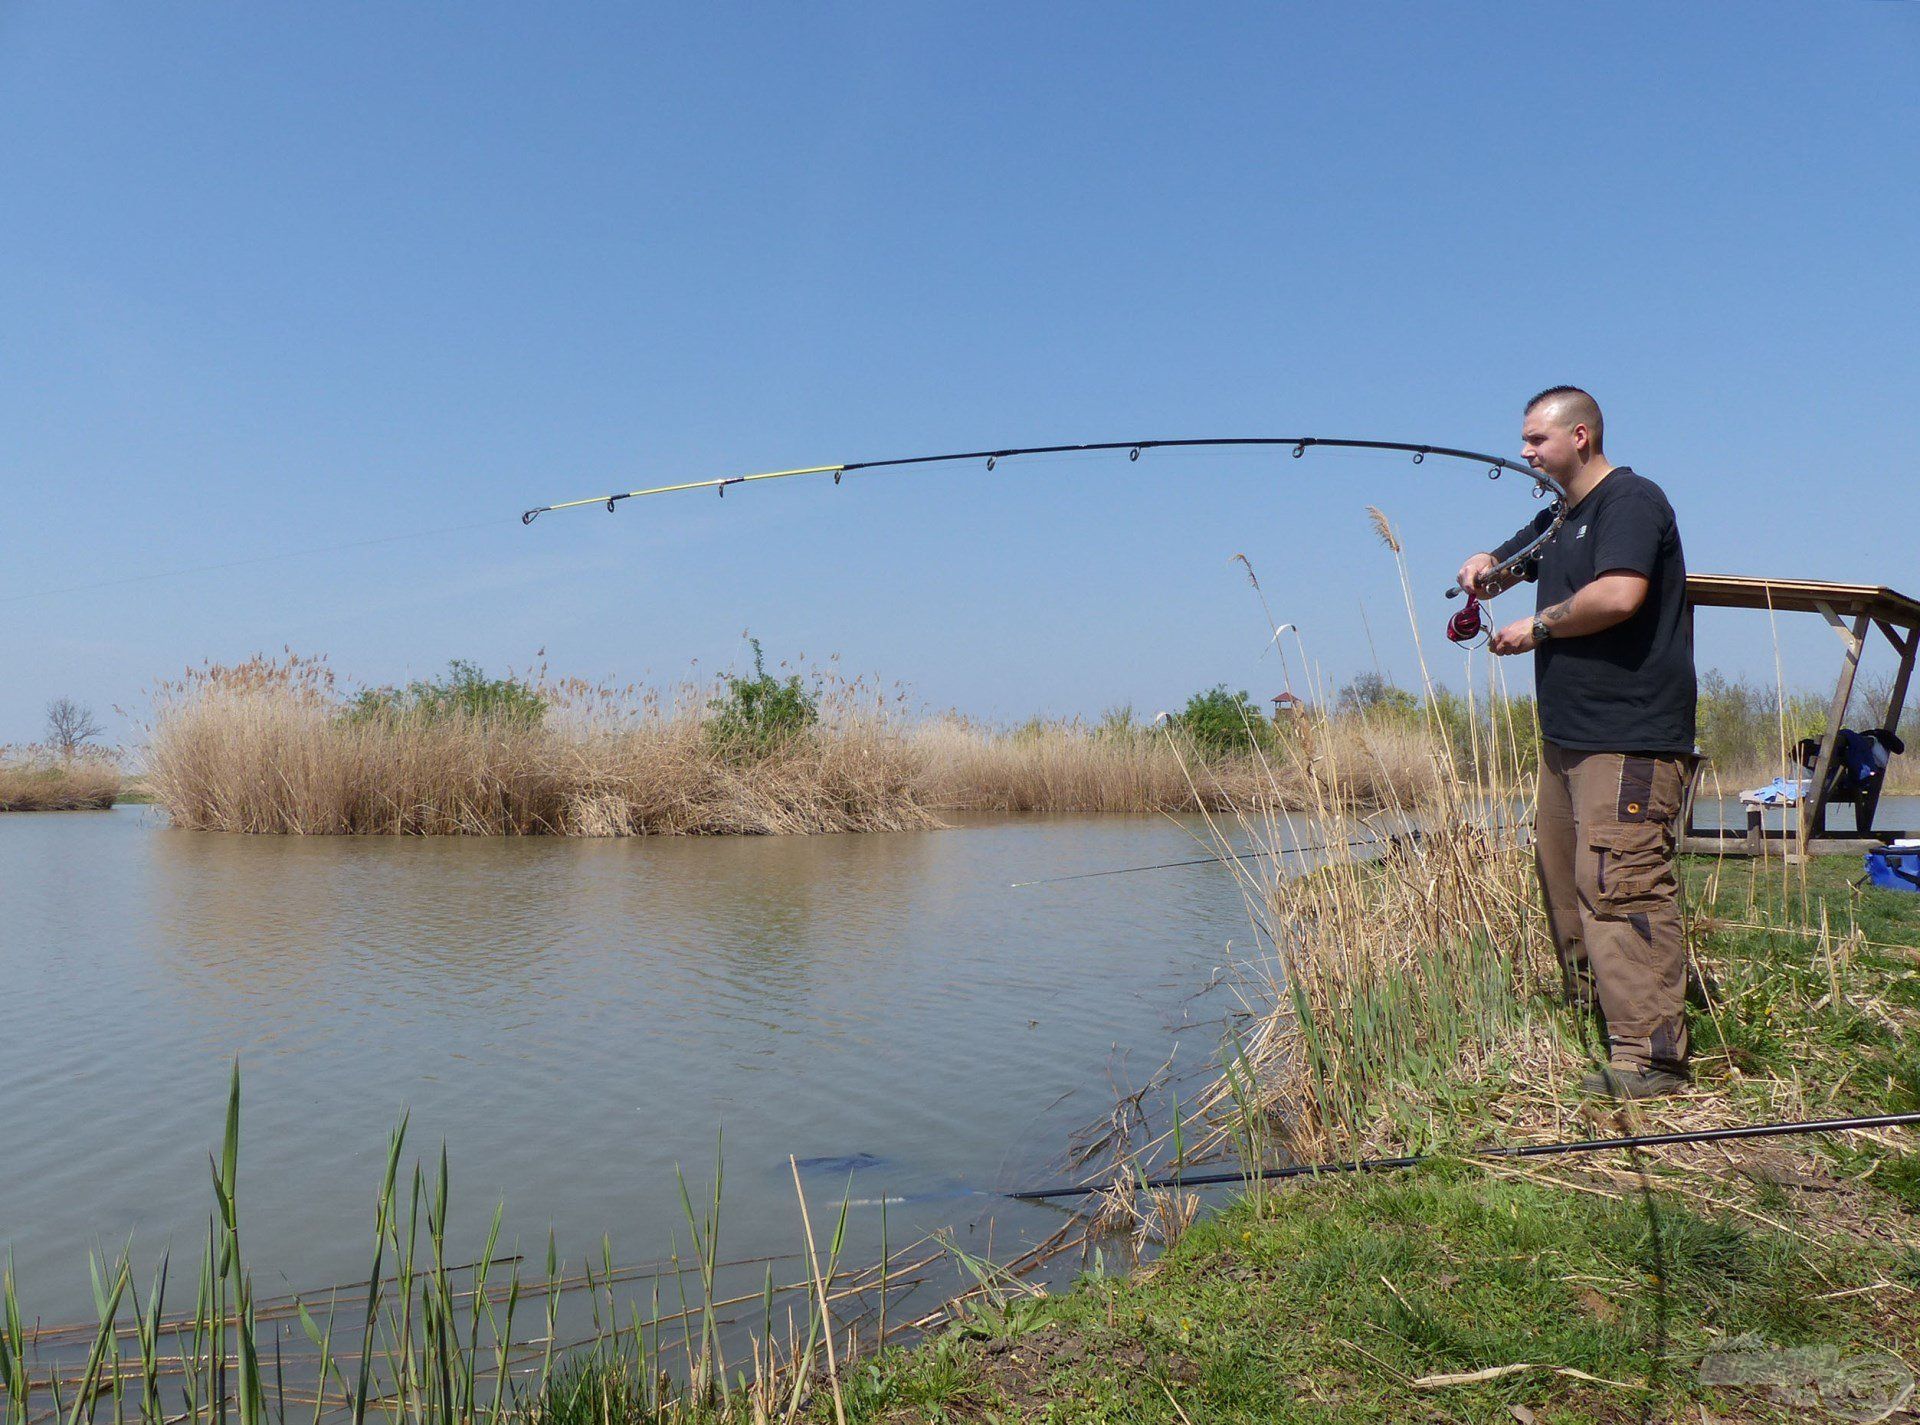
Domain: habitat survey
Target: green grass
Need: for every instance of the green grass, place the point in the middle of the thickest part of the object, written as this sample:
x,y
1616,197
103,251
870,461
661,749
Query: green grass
x,y
1780,1016
1326,1301
463,691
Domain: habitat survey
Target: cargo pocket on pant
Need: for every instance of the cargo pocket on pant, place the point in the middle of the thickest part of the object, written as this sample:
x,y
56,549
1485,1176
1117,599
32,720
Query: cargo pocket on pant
x,y
1635,870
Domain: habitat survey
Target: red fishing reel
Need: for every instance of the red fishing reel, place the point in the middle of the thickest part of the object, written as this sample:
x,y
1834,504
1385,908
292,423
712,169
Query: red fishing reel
x,y
1467,625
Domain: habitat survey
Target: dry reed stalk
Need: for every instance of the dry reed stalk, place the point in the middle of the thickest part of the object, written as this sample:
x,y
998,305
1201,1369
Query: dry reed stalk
x,y
820,1288
1394,975
267,747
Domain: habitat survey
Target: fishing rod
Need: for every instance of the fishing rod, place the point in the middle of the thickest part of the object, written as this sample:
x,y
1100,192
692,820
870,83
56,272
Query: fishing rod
x,y
1543,488
1526,1150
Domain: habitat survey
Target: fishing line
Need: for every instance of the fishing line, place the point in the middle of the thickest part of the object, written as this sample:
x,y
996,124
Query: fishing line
x,y
1391,840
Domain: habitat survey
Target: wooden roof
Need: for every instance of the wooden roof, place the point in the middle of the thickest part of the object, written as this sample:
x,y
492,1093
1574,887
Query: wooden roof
x,y
1744,591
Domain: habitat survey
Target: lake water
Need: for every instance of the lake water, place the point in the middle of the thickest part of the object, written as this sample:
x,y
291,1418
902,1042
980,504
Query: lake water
x,y
572,1018
1894,812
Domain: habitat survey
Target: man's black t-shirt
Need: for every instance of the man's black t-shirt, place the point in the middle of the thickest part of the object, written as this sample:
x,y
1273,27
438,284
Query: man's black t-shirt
x,y
1629,688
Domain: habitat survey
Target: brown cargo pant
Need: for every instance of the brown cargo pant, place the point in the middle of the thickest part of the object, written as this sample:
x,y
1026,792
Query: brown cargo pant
x,y
1604,840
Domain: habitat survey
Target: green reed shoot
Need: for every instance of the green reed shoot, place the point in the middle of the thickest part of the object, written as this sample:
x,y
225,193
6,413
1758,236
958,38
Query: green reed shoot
x,y
706,1247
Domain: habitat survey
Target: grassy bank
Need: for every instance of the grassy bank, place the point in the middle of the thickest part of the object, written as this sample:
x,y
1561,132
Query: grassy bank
x,y
1408,1003
1596,1289
38,781
1380,1300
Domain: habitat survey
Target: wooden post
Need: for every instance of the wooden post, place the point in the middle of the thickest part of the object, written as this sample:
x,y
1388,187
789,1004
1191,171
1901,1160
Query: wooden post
x,y
1896,703
1695,774
1813,806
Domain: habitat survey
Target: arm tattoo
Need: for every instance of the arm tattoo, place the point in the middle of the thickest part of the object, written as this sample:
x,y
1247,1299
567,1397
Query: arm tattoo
x,y
1553,615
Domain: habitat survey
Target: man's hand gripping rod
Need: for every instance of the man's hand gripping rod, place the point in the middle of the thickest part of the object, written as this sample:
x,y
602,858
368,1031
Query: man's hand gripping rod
x,y
1466,625
1496,576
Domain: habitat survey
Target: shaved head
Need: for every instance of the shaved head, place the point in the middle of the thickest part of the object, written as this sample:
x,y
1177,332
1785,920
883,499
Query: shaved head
x,y
1567,407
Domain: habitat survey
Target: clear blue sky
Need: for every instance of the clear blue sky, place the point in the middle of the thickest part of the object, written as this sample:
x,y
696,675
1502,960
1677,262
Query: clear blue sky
x,y
276,278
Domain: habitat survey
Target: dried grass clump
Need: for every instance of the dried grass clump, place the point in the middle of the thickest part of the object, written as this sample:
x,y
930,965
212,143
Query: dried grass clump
x,y
1067,766
268,746
1399,982
273,746
33,779
1404,974
1397,962
1070,766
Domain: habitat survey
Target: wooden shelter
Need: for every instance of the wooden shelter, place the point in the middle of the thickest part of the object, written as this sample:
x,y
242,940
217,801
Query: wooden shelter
x,y
1853,611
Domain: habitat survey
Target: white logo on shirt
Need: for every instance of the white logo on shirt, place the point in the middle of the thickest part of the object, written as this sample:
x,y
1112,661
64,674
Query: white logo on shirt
x,y
1582,534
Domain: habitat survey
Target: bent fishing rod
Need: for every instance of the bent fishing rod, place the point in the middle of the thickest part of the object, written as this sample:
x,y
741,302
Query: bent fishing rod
x,y
1543,488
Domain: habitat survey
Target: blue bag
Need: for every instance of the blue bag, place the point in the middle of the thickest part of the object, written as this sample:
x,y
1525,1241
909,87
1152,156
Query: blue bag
x,y
1895,868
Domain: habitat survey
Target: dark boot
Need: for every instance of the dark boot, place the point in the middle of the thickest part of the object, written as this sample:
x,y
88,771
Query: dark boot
x,y
1633,1083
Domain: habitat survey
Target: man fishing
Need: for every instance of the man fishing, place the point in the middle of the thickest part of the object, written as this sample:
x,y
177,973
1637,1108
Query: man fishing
x,y
1612,640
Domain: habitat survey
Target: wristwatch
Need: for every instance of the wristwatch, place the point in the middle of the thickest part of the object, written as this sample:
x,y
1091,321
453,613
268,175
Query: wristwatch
x,y
1541,631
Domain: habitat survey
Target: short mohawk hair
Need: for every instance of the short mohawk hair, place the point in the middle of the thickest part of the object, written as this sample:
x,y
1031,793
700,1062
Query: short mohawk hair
x,y
1580,406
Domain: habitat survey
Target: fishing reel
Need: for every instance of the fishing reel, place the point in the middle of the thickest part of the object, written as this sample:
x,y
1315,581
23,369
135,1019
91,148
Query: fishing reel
x,y
1468,624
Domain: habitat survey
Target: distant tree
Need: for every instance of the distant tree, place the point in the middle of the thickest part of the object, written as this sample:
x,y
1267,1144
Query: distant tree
x,y
1371,693
70,727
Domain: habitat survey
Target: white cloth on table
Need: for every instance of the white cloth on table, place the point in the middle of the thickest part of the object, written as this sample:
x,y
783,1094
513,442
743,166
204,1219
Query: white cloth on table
x,y
1780,792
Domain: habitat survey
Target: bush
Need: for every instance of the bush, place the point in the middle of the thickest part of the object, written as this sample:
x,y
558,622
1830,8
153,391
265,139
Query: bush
x,y
1373,695
1499,737
465,691
1740,722
757,715
1220,722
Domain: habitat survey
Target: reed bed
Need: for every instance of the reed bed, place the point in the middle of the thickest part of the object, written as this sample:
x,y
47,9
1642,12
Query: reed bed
x,y
271,746
274,746
33,779
1070,766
